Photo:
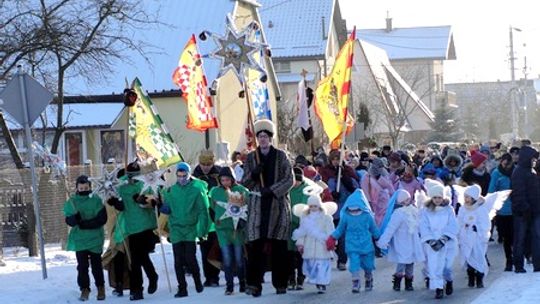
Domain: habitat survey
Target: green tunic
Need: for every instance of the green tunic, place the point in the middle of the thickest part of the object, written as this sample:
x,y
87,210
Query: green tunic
x,y
297,197
84,239
133,219
189,217
226,233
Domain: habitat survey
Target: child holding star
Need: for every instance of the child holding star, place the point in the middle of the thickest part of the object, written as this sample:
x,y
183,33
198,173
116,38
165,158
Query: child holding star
x,y
227,202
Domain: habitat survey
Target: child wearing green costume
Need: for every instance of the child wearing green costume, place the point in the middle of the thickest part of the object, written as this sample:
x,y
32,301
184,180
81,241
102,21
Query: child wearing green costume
x,y
86,216
228,203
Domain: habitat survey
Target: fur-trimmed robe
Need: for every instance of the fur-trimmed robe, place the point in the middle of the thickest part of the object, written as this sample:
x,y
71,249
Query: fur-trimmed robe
x,y
279,222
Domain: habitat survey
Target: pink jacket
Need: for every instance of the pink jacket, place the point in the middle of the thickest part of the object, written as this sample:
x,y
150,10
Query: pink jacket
x,y
378,193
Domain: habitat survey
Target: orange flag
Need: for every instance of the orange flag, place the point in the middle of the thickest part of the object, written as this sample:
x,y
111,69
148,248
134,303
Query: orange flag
x,y
332,95
189,76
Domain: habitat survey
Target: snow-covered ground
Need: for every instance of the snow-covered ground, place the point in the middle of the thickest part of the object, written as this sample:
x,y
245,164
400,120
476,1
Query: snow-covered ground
x,y
20,282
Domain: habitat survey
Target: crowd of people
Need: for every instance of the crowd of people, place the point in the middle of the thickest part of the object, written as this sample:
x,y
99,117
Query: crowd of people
x,y
297,215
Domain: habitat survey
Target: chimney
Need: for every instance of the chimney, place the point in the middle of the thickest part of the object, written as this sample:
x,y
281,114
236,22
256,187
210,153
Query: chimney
x,y
388,22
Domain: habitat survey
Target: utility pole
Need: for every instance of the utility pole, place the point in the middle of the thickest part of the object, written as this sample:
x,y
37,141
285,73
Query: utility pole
x,y
526,126
513,84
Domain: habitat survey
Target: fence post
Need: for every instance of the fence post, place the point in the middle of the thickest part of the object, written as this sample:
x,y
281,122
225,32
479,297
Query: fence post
x,y
32,245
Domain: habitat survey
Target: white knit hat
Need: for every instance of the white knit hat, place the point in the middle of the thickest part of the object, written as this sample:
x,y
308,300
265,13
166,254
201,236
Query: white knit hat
x,y
436,190
314,200
473,191
402,196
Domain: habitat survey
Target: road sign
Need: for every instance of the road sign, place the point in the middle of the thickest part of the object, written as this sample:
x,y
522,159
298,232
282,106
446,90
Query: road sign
x,y
37,97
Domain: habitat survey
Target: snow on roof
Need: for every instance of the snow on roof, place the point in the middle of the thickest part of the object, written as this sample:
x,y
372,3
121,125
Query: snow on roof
x,y
77,115
295,28
434,42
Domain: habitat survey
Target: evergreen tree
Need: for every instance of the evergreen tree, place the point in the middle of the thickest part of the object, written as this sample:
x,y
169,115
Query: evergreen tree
x,y
445,127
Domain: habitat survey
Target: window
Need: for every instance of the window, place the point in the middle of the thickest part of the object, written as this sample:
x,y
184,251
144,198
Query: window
x,y
282,66
74,148
112,146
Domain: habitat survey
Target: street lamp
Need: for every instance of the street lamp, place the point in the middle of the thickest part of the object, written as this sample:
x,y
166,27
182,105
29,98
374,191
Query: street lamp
x,y
513,83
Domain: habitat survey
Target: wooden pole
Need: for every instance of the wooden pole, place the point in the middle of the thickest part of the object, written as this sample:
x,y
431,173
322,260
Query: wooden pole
x,y
251,124
312,144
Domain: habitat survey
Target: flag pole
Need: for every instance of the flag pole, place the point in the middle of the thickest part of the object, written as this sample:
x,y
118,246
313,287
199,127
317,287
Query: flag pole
x,y
344,128
162,250
252,126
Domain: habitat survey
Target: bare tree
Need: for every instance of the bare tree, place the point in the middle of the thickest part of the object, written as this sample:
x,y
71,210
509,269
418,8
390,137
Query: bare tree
x,y
66,38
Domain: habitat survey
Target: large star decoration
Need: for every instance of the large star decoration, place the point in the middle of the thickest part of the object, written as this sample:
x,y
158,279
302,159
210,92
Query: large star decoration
x,y
234,211
51,161
107,185
236,51
152,180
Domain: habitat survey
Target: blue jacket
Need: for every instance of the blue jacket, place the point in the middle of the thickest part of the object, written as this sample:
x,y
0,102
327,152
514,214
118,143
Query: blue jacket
x,y
359,229
500,181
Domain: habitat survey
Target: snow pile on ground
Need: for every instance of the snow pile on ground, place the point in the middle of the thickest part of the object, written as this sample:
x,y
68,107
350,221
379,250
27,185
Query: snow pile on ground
x,y
513,287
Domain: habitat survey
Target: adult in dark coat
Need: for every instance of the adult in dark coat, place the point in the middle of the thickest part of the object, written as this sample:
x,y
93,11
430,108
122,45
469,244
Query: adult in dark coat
x,y
476,172
207,171
269,215
526,207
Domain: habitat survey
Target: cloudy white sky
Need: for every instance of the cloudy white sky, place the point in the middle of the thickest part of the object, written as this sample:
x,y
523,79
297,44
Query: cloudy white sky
x,y
480,27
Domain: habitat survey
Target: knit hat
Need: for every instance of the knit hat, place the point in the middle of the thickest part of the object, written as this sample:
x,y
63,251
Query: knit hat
x,y
402,196
376,168
310,172
394,157
83,179
477,158
436,190
298,174
506,156
314,200
266,126
473,191
184,167
206,157
364,156
133,167
301,160
227,171
334,154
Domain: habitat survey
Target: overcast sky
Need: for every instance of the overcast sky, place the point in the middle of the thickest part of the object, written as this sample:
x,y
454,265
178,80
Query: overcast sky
x,y
480,27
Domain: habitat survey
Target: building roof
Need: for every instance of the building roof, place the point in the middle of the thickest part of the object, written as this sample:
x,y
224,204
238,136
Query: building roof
x,y
433,42
297,28
294,77
77,115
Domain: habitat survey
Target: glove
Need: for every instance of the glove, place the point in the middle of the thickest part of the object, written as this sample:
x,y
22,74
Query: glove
x,y
112,201
436,245
73,220
330,243
474,228
139,199
266,192
335,196
256,172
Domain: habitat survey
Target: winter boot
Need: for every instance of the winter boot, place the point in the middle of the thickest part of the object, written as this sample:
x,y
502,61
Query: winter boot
x,y
292,283
136,295
182,292
152,284
449,288
118,290
439,293
198,284
408,284
426,282
342,266
397,283
471,272
509,266
355,286
479,280
369,284
242,287
100,293
300,282
229,290
85,294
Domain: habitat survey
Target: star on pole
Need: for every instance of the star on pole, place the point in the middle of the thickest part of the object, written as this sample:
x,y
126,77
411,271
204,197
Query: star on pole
x,y
107,185
234,211
152,180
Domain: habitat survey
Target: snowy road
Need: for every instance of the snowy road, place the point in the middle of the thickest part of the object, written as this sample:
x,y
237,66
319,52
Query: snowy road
x,y
20,282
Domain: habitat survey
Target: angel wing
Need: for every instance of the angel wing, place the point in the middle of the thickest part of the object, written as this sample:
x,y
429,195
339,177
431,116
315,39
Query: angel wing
x,y
420,197
312,188
460,193
494,201
299,209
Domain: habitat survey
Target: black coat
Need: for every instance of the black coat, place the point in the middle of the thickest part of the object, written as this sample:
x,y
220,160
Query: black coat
x,y
469,177
525,186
